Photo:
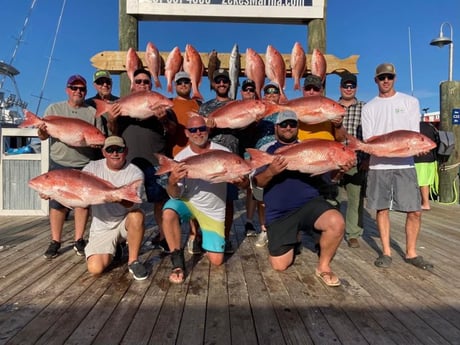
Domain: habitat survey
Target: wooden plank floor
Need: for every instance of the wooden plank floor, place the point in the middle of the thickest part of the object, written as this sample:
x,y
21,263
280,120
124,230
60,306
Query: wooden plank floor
x,y
242,302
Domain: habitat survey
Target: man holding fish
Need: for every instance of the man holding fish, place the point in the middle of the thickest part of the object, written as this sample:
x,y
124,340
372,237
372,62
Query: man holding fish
x,y
65,156
392,180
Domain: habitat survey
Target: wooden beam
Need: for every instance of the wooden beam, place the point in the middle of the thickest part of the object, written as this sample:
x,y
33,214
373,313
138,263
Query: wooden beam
x,y
114,61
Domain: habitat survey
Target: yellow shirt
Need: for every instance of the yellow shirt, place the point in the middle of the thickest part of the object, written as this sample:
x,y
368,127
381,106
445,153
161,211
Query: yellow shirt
x,y
323,130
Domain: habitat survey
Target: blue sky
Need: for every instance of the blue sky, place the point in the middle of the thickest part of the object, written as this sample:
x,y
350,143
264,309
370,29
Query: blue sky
x,y
376,31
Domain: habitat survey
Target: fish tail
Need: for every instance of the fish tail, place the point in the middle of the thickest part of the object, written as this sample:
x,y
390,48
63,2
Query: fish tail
x,y
101,107
259,158
283,98
130,191
30,120
166,164
353,142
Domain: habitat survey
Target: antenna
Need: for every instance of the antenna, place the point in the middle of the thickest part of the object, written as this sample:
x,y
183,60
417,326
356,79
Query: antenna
x,y
410,65
40,97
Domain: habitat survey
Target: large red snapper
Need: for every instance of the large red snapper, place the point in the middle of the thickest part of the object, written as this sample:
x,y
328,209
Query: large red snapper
x,y
315,109
140,105
298,63
275,69
71,131
255,70
153,60
240,114
133,62
193,65
214,166
314,156
173,65
75,188
401,143
318,64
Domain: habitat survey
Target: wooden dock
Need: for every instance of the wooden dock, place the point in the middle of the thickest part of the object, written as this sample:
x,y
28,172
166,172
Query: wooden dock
x,y
242,302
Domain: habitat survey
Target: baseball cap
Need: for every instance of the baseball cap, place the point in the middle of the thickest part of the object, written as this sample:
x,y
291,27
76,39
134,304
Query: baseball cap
x,y
271,86
385,68
313,80
74,78
248,82
101,74
348,78
220,73
114,141
181,75
286,115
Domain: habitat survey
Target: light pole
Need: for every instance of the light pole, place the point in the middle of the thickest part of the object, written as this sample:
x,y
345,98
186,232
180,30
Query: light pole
x,y
441,41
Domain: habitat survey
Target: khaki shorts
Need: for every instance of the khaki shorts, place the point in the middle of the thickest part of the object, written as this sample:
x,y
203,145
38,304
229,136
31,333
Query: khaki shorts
x,y
105,241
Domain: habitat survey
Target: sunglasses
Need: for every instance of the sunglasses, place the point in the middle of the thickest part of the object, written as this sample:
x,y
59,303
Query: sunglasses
x,y
117,149
196,129
272,91
79,88
311,87
102,81
349,86
290,123
386,76
222,80
142,81
183,82
249,89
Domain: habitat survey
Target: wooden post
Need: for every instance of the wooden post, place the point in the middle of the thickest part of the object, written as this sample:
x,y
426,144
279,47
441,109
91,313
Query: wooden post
x,y
449,92
317,33
128,38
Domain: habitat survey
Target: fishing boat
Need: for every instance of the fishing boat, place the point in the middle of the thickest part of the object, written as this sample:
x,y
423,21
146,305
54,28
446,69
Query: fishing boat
x,y
10,99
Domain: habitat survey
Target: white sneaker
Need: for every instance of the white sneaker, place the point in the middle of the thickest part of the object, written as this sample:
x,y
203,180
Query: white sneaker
x,y
262,239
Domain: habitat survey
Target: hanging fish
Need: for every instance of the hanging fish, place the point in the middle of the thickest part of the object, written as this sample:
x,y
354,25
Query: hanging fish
x,y
234,65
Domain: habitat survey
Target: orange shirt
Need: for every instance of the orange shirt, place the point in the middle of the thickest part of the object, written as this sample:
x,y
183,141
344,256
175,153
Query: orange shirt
x,y
181,108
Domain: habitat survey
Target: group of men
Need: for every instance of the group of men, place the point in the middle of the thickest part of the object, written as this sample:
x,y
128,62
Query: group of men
x,y
289,201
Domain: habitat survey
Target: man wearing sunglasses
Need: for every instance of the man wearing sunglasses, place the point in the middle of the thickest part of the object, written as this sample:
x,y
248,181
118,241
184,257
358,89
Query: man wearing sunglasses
x,y
145,138
293,203
63,156
117,221
103,84
392,182
353,181
225,137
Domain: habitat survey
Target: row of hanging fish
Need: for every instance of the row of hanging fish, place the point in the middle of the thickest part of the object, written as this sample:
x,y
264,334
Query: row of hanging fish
x,y
274,67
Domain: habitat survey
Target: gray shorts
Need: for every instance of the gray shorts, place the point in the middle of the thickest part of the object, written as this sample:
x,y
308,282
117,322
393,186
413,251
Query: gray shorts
x,y
105,241
394,189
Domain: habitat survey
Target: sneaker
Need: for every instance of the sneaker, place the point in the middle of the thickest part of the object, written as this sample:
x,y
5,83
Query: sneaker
x,y
193,246
163,245
262,239
228,247
52,250
79,247
250,230
353,243
138,270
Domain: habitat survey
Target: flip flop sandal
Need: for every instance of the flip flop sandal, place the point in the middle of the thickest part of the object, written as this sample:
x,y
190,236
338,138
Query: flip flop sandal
x,y
177,276
327,278
383,261
420,263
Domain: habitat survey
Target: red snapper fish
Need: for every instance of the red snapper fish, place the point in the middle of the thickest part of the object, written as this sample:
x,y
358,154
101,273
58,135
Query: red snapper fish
x,y
214,166
318,64
173,65
314,156
153,60
298,63
275,69
71,131
400,143
75,188
315,109
140,105
255,70
133,62
241,113
193,65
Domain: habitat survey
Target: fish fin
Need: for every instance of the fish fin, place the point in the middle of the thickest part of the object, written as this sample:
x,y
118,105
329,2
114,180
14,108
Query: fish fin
x,y
30,120
166,164
259,158
101,107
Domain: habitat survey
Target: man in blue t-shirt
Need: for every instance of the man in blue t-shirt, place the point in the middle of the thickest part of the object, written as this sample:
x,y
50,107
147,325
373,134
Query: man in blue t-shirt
x,y
293,203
